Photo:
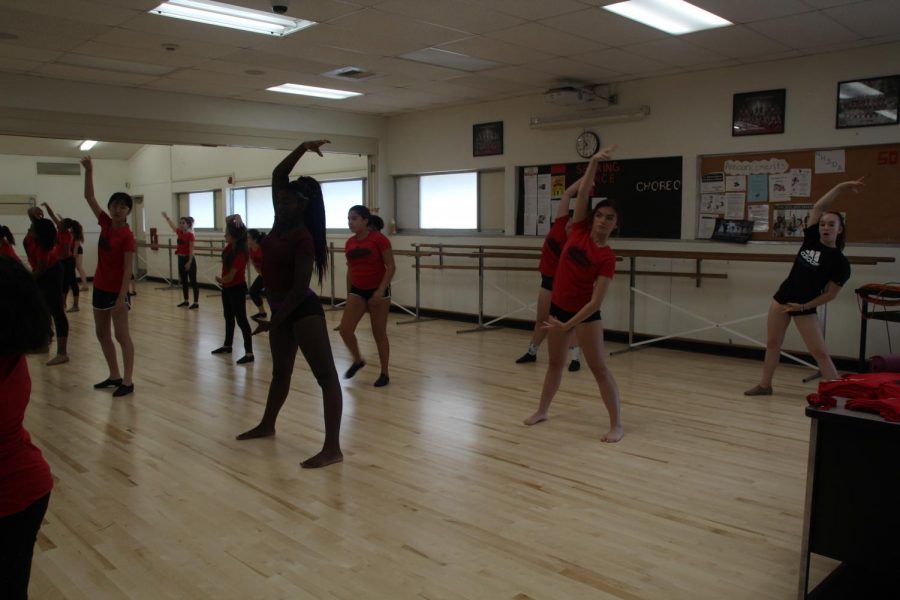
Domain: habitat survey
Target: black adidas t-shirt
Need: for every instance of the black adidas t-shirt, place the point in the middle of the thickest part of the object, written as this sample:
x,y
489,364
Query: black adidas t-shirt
x,y
816,264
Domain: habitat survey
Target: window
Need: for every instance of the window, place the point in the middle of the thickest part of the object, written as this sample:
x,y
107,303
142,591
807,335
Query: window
x,y
339,197
254,205
201,206
468,201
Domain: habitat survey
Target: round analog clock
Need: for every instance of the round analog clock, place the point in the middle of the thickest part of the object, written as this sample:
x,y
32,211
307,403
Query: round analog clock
x,y
587,143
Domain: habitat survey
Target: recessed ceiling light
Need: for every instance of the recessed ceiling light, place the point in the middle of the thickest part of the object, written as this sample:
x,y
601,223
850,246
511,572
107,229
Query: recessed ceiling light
x,y
235,17
453,60
672,16
111,64
87,145
317,92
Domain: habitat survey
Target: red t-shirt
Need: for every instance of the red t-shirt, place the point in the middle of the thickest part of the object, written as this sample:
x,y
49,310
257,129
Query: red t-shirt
x,y
238,263
582,261
24,474
364,259
256,257
279,256
37,256
183,245
7,250
553,246
64,240
111,249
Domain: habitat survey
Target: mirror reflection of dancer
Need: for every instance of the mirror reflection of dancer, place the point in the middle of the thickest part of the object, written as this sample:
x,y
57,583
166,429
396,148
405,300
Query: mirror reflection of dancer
x,y
586,268
65,240
370,268
554,242
25,479
819,272
187,262
43,256
8,243
234,288
254,239
115,262
294,247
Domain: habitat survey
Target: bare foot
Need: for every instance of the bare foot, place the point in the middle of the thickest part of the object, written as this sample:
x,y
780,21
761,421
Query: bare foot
x,y
613,435
323,459
536,418
259,431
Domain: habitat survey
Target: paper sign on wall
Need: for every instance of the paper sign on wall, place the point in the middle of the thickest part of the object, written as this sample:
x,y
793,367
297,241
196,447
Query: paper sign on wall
x,y
830,161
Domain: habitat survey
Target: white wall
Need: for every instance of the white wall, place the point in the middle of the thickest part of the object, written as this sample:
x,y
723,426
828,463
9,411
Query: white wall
x,y
691,116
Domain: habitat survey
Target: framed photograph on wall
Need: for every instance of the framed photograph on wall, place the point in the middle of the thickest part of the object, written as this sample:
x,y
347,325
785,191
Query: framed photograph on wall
x,y
867,102
758,113
487,139
733,230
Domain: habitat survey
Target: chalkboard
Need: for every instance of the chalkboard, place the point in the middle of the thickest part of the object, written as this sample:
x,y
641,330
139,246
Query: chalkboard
x,y
778,188
646,190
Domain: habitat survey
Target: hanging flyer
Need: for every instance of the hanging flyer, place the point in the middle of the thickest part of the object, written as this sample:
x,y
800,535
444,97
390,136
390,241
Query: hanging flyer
x,y
712,203
758,188
734,205
780,187
736,183
712,183
706,227
759,214
801,181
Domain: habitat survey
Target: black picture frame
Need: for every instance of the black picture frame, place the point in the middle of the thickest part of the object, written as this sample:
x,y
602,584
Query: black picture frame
x,y
758,113
487,139
733,230
857,104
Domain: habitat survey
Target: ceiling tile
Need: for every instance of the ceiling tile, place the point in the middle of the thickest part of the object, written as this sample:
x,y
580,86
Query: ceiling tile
x,y
735,41
533,9
366,41
391,25
150,42
16,65
805,31
465,16
748,11
320,11
82,11
496,50
604,27
10,50
574,70
545,39
201,32
155,55
192,86
674,51
527,76
490,84
622,61
92,75
868,19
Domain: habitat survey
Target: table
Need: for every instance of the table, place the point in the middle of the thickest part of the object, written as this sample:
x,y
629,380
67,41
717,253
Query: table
x,y
882,298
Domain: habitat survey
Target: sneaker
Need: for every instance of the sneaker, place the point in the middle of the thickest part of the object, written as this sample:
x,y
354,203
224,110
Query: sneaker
x,y
759,390
194,306
526,358
247,358
183,304
574,366
222,350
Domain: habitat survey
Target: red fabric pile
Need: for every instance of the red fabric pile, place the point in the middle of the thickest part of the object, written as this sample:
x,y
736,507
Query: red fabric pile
x,y
870,392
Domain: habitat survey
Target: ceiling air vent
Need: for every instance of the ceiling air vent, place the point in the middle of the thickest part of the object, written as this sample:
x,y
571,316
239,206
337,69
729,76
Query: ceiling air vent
x,y
53,168
349,73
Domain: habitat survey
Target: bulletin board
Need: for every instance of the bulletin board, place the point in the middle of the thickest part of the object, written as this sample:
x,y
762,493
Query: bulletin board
x,y
647,192
777,190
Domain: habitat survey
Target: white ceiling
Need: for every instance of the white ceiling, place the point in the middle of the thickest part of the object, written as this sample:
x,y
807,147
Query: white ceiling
x,y
538,44
30,146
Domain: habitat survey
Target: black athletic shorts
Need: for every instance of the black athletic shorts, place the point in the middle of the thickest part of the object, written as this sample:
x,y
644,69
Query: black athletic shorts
x,y
564,315
367,294
309,306
104,300
794,313
547,282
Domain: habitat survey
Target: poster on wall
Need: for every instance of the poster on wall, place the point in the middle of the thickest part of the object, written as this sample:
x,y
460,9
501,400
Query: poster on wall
x,y
801,181
712,183
780,187
734,205
706,227
529,188
712,203
758,188
735,183
759,214
789,220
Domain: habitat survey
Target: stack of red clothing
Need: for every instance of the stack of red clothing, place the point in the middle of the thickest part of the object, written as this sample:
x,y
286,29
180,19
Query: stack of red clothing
x,y
870,392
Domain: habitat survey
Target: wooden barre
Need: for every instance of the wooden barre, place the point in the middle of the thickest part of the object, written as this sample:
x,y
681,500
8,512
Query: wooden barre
x,y
648,273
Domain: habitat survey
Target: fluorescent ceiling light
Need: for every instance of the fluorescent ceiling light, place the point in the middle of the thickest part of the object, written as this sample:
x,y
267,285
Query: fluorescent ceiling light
x,y
672,16
236,17
87,145
308,90
453,60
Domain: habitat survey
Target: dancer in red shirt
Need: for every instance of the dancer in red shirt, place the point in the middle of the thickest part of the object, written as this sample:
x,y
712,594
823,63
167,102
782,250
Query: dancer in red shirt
x,y
43,256
8,243
370,268
25,480
234,288
294,248
115,262
187,262
554,242
65,240
586,268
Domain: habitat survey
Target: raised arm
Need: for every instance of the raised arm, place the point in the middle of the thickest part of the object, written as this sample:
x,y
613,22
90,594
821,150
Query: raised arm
x,y
823,204
56,220
587,182
170,222
563,209
282,173
89,186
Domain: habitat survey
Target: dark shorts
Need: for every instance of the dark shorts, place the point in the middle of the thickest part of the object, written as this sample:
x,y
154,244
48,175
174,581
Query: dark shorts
x,y
367,294
104,300
80,250
308,307
547,282
564,315
794,313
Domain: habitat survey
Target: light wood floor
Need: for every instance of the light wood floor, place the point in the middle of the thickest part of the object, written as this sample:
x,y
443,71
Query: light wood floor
x,y
444,493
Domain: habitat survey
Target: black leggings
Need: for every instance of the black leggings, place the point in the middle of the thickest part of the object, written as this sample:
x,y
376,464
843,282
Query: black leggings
x,y
234,305
308,332
188,275
18,533
50,282
256,290
70,279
